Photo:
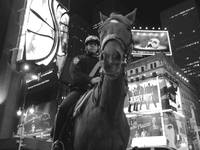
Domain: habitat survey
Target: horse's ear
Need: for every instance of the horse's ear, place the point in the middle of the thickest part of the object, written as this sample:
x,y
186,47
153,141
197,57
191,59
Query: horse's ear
x,y
102,17
131,16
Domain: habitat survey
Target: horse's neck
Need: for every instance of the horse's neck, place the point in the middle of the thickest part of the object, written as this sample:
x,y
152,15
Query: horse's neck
x,y
112,96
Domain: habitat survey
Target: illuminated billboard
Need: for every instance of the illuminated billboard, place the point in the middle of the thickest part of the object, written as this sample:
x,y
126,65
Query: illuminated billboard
x,y
146,125
38,121
143,96
146,130
170,95
175,131
149,42
154,113
44,32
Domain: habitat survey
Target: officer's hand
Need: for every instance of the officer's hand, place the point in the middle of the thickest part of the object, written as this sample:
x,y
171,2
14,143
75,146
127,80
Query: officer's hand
x,y
95,80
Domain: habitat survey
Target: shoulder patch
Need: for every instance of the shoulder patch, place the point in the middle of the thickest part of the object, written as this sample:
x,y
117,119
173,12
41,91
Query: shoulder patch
x,y
76,60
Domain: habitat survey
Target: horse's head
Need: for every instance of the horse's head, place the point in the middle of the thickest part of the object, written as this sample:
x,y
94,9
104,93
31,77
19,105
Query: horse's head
x,y
115,37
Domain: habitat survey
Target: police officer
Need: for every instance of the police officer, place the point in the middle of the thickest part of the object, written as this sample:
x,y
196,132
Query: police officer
x,y
83,74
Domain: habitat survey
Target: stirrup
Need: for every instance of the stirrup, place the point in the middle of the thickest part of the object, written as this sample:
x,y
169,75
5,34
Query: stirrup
x,y
58,145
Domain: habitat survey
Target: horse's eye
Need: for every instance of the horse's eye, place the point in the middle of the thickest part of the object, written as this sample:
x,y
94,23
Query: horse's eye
x,y
101,56
117,55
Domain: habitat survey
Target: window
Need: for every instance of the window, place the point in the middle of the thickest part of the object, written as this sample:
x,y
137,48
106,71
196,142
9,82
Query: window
x,y
151,66
143,77
154,74
142,68
136,70
131,71
155,65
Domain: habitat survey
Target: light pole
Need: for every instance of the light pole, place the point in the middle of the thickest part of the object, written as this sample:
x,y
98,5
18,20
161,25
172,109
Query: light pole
x,y
22,112
21,128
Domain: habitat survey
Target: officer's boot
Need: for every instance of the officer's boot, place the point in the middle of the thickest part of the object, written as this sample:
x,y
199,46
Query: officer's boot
x,y
58,145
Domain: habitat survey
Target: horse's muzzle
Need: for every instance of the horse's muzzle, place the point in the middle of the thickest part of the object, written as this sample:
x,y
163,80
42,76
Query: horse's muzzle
x,y
112,61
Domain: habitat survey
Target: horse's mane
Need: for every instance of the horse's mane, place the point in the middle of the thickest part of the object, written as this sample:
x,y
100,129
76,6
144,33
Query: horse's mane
x,y
118,18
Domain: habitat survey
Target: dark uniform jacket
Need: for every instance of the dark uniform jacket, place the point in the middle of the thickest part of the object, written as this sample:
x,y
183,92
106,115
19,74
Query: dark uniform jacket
x,y
80,68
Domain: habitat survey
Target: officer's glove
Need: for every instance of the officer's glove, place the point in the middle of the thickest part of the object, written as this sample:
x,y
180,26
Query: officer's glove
x,y
95,80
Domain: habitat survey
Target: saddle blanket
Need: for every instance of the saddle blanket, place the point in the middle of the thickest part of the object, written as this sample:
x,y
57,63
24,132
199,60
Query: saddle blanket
x,y
81,101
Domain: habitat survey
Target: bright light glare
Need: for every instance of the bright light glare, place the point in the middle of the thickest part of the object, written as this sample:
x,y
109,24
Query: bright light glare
x,y
4,85
183,145
34,77
162,34
148,141
19,112
31,110
26,67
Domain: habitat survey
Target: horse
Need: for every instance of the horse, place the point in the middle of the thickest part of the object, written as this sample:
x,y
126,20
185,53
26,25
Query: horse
x,y
102,125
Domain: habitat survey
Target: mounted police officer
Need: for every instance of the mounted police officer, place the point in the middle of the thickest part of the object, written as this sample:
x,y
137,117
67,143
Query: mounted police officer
x,y
84,73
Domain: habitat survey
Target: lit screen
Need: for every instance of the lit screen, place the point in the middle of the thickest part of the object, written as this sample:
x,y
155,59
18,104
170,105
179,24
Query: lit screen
x,y
146,125
38,120
143,96
175,131
170,95
146,130
149,42
43,33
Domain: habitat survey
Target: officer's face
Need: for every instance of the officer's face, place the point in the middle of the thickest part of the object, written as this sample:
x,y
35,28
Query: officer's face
x,y
92,47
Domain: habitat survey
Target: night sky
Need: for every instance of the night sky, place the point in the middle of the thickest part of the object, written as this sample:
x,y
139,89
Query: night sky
x,y
148,13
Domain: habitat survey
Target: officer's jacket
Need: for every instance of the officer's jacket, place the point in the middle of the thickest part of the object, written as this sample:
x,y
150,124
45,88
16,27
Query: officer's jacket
x,y
80,68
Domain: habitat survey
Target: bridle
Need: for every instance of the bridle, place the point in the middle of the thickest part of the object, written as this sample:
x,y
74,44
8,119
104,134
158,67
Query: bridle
x,y
124,44
115,37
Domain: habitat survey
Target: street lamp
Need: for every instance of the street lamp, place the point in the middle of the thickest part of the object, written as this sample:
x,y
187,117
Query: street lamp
x,y
19,112
26,67
22,112
31,110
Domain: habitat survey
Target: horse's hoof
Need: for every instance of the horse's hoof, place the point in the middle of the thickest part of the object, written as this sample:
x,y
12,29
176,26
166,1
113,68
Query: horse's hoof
x,y
57,145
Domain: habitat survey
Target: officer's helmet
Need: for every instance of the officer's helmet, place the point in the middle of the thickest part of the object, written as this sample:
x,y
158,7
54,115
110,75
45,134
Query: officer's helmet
x,y
92,39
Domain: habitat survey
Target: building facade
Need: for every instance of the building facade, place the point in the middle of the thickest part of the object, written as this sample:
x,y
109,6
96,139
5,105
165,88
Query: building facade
x,y
34,49
183,24
161,104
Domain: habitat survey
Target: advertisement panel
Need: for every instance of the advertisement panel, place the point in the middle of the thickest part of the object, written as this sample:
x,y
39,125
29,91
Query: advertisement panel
x,y
170,95
175,131
154,112
43,32
143,96
149,42
38,121
145,129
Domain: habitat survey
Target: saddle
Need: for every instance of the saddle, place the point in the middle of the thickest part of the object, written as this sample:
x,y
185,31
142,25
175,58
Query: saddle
x,y
66,137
